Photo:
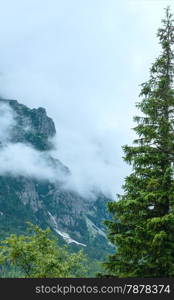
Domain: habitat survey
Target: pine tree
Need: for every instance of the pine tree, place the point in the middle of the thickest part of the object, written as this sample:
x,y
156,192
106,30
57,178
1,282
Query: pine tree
x,y
142,226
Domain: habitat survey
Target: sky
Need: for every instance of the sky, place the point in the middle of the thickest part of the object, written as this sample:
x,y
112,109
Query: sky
x,y
84,62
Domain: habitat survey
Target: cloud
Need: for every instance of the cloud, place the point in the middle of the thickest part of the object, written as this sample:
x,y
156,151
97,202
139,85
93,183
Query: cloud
x,y
83,61
20,159
93,161
6,122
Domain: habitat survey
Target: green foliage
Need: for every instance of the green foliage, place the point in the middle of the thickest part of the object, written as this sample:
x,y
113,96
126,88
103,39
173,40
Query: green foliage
x,y
38,256
142,227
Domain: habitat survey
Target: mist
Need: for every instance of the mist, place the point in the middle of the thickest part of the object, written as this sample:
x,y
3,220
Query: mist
x,y
83,61
20,159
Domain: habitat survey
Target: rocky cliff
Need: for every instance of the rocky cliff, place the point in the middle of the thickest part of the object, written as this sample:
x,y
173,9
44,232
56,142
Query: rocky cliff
x,y
75,219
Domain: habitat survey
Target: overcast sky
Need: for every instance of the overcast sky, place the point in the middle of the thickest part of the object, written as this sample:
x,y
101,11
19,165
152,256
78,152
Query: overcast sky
x,y
82,60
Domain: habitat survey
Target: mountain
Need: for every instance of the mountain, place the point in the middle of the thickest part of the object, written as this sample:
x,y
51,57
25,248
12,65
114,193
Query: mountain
x,y
76,220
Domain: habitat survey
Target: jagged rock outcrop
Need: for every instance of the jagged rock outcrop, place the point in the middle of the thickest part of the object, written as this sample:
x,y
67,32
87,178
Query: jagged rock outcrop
x,y
76,219
33,126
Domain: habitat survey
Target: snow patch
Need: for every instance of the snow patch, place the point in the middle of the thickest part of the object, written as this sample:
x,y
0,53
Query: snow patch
x,y
65,235
93,228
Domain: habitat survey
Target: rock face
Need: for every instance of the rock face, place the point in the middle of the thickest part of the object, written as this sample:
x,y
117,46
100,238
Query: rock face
x,y
32,126
74,219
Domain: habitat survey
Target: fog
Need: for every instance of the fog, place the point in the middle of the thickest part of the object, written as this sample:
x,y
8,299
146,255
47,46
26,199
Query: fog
x,y
20,159
83,61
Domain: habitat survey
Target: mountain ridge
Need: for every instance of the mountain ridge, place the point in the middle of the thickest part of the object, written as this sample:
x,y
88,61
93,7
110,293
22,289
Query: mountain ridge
x,y
76,219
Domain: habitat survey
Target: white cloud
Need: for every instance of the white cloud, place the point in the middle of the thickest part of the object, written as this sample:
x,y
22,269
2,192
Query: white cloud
x,y
83,61
6,122
19,159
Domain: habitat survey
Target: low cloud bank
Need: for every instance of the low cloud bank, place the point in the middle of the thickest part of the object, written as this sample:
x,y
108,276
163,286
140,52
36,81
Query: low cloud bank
x,y
90,171
20,159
